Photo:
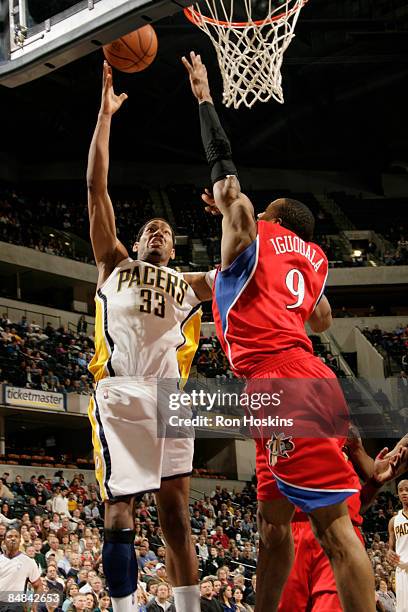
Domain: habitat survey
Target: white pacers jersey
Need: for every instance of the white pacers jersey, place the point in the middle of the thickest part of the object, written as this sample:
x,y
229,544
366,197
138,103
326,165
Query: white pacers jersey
x,y
147,323
401,548
401,536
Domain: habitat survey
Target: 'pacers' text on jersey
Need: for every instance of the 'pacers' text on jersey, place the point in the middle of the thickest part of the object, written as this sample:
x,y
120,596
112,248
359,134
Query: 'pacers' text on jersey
x,y
401,536
263,299
147,323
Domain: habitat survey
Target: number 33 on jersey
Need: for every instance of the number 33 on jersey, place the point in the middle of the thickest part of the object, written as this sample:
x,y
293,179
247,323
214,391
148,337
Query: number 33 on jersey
x,y
147,323
262,301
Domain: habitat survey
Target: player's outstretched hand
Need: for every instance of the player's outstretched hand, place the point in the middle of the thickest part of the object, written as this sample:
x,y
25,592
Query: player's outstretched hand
x,y
387,468
198,77
210,205
110,102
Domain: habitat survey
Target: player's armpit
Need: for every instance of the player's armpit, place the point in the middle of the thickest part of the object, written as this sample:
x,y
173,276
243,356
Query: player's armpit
x,y
321,318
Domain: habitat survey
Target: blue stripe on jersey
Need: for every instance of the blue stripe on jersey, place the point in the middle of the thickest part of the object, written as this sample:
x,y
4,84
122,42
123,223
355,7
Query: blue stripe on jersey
x,y
229,283
309,500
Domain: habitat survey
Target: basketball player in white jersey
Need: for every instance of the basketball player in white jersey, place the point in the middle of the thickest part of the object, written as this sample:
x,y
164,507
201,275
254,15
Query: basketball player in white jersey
x,y
146,328
398,547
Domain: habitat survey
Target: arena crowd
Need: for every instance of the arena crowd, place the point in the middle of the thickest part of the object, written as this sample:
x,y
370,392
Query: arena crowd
x,y
60,525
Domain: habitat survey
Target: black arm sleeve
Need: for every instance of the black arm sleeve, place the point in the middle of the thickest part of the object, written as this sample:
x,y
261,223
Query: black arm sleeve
x,y
216,144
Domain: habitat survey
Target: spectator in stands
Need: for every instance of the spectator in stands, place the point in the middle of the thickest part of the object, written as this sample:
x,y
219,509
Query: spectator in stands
x,y
70,594
220,538
238,595
161,601
212,565
17,487
39,557
5,492
225,598
386,597
59,503
104,602
82,325
79,604
251,595
145,554
54,582
208,602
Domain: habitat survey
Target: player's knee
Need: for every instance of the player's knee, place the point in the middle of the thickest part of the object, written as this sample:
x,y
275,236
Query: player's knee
x,y
119,562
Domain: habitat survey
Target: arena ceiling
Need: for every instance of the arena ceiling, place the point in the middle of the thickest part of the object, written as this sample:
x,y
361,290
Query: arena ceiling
x,y
345,84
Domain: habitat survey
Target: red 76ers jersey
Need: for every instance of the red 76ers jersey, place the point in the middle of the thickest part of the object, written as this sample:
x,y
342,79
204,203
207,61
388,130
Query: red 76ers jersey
x,y
263,299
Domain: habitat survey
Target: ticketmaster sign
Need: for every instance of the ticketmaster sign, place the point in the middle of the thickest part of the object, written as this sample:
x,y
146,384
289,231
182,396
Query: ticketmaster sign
x,y
33,398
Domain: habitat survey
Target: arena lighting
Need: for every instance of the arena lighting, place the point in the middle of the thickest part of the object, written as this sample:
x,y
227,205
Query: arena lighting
x,y
357,253
52,235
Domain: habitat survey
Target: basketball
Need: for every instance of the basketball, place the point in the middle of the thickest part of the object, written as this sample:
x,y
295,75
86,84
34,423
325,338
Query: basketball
x,y
133,52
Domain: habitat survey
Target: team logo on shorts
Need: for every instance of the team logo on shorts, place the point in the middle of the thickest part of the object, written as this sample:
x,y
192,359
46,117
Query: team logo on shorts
x,y
279,446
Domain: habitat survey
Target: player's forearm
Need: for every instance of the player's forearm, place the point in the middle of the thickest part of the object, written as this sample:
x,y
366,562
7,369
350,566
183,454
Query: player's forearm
x,y
215,141
368,493
98,158
362,463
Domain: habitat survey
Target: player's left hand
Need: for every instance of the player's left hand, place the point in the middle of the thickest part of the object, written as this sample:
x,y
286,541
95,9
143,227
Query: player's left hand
x,y
211,206
198,77
387,468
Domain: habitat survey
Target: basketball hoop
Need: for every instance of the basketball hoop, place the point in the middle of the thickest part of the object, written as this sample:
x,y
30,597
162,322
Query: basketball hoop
x,y
249,53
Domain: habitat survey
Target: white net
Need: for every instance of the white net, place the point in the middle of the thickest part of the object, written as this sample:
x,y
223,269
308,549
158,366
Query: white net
x,y
250,54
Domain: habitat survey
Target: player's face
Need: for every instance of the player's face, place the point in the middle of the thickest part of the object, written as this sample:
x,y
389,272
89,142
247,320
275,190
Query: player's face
x,y
271,212
156,243
12,541
403,491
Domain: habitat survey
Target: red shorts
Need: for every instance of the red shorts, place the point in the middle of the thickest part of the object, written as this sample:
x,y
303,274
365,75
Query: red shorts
x,y
302,461
311,586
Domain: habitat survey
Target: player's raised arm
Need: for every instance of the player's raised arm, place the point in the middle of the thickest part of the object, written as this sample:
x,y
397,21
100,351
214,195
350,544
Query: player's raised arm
x,y
238,224
108,250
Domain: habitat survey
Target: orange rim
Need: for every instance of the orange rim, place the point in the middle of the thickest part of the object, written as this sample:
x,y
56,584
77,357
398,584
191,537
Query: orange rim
x,y
197,18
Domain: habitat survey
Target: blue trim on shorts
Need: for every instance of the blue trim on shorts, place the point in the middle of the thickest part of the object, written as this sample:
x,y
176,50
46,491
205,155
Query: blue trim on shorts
x,y
105,449
308,500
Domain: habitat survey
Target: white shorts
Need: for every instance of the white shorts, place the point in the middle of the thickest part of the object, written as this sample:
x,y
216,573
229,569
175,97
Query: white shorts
x,y
401,588
129,456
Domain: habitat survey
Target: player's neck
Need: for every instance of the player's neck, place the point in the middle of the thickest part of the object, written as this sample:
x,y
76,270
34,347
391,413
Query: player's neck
x,y
155,262
405,508
11,555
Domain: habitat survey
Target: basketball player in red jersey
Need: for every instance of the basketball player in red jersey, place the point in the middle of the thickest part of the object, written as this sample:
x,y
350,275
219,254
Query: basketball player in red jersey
x,y
146,328
311,585
271,282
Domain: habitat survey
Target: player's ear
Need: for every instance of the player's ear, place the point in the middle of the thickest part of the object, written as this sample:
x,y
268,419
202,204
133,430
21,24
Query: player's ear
x,y
277,220
173,253
135,247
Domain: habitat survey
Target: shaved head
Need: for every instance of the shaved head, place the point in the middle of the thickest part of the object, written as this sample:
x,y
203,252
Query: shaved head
x,y
291,214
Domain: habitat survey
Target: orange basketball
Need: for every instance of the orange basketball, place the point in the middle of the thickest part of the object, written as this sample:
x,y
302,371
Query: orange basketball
x,y
133,52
